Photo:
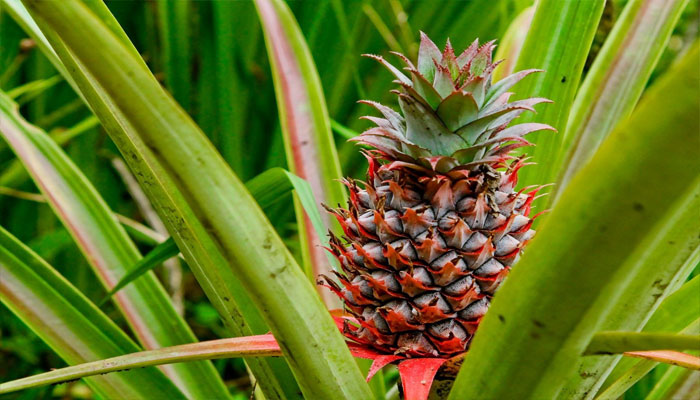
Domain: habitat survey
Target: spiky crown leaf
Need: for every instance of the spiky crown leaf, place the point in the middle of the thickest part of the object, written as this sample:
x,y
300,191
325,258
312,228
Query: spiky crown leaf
x,y
453,117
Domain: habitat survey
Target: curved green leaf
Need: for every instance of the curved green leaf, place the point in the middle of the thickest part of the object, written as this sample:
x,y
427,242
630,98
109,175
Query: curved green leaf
x,y
616,80
621,342
162,252
309,143
309,339
173,27
105,245
267,188
678,313
675,383
577,261
665,259
72,326
558,42
511,44
204,257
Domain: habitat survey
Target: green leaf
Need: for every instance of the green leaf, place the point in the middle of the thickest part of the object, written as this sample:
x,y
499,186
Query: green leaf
x,y
678,313
627,189
309,339
231,103
309,143
618,387
72,326
252,346
173,27
14,174
162,252
105,245
620,342
342,130
204,257
558,41
616,80
665,259
273,184
267,188
32,89
675,383
511,44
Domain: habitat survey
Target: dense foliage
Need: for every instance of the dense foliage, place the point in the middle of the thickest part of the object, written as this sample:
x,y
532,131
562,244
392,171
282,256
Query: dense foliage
x,y
99,165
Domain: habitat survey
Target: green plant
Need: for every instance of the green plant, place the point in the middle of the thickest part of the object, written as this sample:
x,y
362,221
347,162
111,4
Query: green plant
x,y
605,281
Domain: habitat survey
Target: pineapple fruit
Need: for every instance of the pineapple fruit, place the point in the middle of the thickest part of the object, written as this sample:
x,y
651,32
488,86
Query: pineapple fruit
x,y
434,230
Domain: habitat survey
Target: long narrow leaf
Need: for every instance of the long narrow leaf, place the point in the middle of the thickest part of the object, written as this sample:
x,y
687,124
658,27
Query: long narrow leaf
x,y
267,188
204,257
678,313
675,383
512,43
628,378
311,151
231,102
173,26
273,184
162,252
558,42
252,346
315,350
72,326
616,79
621,342
668,357
580,252
105,244
664,261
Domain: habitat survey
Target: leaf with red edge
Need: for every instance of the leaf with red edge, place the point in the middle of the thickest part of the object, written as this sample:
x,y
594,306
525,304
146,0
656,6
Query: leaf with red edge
x,y
309,143
417,375
249,346
380,362
668,357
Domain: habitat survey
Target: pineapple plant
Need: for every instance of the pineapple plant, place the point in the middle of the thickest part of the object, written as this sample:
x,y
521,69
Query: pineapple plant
x,y
437,225
429,237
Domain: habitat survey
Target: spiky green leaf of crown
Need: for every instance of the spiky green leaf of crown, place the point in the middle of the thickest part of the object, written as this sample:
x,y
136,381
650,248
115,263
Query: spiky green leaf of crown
x,y
453,117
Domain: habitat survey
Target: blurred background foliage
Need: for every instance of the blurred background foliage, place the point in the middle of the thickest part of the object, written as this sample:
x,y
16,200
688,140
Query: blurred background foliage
x,y
211,56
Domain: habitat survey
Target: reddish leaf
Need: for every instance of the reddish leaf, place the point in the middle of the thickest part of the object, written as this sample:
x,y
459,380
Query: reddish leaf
x,y
380,362
417,376
668,357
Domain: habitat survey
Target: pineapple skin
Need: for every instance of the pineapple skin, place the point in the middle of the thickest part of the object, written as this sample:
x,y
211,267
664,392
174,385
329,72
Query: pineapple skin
x,y
434,230
425,254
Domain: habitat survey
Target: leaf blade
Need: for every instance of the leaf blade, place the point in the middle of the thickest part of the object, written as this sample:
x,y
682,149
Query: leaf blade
x,y
622,342
204,257
616,80
104,243
256,253
558,41
72,326
267,188
309,143
252,346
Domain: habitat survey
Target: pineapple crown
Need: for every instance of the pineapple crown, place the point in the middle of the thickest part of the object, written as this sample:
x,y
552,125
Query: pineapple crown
x,y
453,116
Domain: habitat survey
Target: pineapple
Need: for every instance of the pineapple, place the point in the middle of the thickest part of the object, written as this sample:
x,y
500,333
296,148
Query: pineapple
x,y
436,227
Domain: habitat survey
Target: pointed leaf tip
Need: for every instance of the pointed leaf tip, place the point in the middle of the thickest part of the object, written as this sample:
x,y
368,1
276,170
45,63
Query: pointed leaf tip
x,y
380,362
417,375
